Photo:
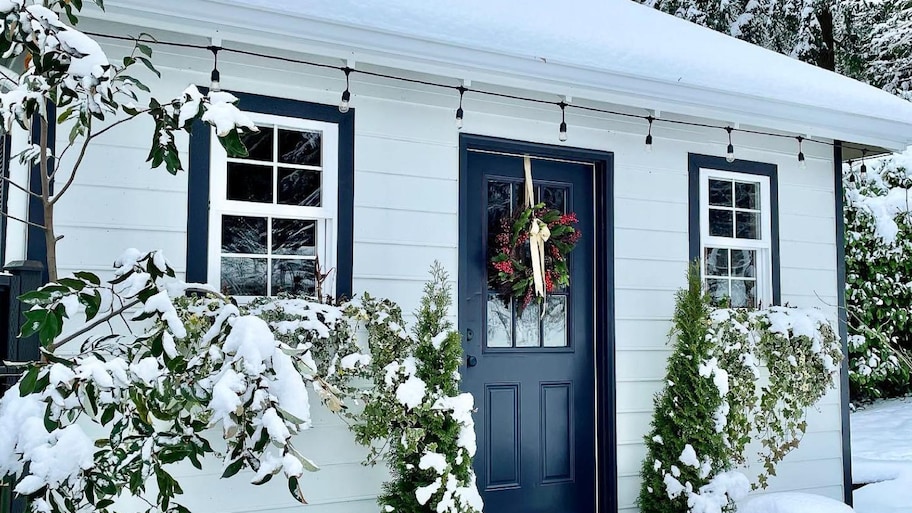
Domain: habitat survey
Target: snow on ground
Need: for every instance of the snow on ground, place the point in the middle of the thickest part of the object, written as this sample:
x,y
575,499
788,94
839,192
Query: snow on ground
x,y
792,503
882,456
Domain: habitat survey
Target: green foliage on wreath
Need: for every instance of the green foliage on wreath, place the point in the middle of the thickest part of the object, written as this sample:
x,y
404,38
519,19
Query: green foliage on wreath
x,y
510,267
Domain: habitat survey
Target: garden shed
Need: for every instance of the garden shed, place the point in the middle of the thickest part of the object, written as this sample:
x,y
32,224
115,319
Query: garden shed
x,y
668,141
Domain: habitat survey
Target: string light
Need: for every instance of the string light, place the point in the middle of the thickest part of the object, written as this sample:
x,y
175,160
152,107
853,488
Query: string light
x,y
459,111
730,152
650,119
801,162
864,168
851,173
563,126
215,83
346,95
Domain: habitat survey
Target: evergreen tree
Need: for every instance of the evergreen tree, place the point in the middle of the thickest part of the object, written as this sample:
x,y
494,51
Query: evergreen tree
x,y
890,48
684,412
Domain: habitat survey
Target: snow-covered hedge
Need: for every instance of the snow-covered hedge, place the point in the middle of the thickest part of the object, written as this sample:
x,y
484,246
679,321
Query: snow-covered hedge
x,y
191,368
879,277
734,376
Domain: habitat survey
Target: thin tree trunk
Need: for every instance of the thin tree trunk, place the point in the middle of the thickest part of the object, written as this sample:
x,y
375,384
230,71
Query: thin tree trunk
x,y
827,57
50,239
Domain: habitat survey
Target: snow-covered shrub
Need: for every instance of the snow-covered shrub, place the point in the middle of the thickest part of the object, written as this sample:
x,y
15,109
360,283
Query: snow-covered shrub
x,y
776,364
191,368
879,277
415,411
735,375
154,388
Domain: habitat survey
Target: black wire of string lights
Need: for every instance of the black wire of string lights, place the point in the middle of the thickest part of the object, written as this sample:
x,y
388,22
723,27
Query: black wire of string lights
x,y
344,104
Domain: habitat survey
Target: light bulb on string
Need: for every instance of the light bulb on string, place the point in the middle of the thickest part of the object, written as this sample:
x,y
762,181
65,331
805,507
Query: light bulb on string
x,y
649,134
563,126
459,111
802,163
346,95
215,83
730,151
851,173
864,168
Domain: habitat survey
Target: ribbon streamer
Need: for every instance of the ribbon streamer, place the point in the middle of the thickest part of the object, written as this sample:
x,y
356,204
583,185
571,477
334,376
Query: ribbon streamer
x,y
539,233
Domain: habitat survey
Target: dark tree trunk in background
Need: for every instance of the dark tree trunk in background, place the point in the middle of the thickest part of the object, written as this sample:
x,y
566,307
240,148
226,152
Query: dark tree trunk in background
x,y
827,57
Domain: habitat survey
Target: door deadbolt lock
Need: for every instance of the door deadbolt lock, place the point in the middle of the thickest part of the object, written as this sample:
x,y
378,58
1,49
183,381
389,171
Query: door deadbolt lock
x,y
471,361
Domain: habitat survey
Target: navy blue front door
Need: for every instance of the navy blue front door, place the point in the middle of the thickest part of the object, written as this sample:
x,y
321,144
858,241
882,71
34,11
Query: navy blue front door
x,y
533,376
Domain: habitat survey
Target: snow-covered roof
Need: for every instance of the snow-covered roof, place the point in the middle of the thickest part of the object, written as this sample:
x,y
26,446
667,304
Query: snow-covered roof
x,y
603,50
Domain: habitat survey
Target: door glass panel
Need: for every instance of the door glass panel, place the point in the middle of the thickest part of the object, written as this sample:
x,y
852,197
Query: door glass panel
x,y
500,323
555,322
554,197
528,328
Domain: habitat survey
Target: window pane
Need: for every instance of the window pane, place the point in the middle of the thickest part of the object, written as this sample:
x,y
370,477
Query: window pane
x,y
498,204
743,294
244,276
242,234
720,193
500,323
743,263
248,182
519,196
300,147
555,322
293,276
720,223
299,187
716,262
259,144
747,195
527,327
554,197
718,290
294,237
748,225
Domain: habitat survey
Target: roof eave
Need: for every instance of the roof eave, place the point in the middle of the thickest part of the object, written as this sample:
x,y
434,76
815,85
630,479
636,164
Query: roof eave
x,y
309,35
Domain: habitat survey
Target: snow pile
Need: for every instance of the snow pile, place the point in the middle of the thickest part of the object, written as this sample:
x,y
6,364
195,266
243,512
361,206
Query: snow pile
x,y
882,456
792,502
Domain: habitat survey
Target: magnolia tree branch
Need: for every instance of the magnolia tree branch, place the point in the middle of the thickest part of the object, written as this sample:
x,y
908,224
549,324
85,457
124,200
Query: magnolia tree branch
x,y
14,218
21,188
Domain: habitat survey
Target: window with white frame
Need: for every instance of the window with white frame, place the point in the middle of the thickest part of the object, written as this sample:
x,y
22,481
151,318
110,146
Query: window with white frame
x,y
735,237
272,214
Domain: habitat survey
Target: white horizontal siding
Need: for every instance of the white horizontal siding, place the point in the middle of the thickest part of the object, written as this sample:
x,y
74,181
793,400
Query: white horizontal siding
x,y
406,217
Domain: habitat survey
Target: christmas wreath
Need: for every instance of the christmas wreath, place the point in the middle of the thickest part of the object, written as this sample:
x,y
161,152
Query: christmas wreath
x,y
535,237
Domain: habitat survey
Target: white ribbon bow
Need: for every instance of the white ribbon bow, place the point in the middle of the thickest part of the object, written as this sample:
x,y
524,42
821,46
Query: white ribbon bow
x,y
539,233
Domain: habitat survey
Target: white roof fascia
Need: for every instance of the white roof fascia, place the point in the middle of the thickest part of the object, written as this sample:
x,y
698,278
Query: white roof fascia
x,y
302,34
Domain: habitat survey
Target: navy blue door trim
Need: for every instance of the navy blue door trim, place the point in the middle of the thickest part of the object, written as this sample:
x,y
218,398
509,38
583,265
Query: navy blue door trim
x,y
198,184
843,324
695,163
606,436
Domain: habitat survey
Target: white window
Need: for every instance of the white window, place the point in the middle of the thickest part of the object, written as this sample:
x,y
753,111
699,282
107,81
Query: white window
x,y
272,214
735,238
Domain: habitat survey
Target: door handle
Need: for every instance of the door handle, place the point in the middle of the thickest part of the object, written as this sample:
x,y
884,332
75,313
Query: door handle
x,y
471,361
